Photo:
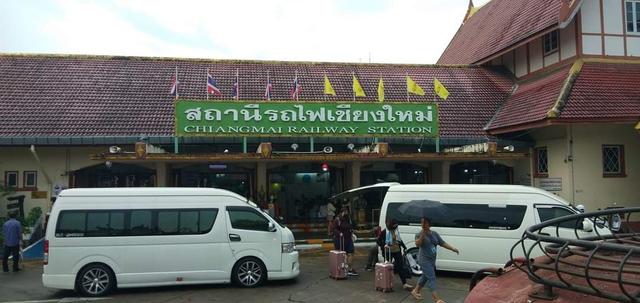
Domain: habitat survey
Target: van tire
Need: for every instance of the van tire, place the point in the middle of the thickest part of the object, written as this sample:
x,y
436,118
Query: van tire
x,y
249,273
95,280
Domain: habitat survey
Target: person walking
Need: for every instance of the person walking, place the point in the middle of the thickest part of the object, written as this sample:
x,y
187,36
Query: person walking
x,y
331,213
12,232
394,243
342,240
428,242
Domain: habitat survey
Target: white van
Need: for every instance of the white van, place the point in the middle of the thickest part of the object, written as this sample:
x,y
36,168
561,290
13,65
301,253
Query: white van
x,y
103,238
482,221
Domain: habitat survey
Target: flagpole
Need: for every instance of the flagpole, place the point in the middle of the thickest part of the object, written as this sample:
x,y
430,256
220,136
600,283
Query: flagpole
x,y
434,90
177,83
237,84
268,88
406,79
296,88
324,88
353,81
207,84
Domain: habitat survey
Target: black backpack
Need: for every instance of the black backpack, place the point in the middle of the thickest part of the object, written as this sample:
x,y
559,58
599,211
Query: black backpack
x,y
382,238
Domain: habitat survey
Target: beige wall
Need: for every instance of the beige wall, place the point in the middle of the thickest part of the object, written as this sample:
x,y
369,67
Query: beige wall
x,y
56,162
582,180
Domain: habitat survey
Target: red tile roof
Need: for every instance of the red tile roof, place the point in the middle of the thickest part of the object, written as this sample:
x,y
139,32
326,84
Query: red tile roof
x,y
531,101
501,24
605,91
76,96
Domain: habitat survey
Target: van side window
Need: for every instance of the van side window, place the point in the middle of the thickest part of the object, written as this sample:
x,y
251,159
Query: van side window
x,y
168,222
71,224
548,213
247,218
97,224
139,222
476,216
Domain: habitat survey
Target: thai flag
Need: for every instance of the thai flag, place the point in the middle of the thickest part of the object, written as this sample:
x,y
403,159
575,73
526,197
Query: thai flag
x,y
212,86
296,88
236,88
174,85
267,91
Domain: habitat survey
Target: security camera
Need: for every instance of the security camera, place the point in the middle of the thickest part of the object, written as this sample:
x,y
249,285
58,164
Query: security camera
x,y
509,148
294,146
108,164
114,149
327,149
351,146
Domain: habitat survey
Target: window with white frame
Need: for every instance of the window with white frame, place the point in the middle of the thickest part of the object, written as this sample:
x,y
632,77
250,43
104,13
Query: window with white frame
x,y
613,161
30,179
11,179
550,42
632,8
541,162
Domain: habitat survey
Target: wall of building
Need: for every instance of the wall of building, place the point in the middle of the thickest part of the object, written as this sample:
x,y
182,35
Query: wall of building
x,y
529,58
604,30
579,165
56,163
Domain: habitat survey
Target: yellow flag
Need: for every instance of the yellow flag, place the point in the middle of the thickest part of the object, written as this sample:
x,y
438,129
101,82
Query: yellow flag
x,y
328,89
357,89
413,87
380,90
440,90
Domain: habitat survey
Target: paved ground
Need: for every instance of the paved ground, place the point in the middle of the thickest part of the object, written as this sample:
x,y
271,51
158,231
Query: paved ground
x,y
313,285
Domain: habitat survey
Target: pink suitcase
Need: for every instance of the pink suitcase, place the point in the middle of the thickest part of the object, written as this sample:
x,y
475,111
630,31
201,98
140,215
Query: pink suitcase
x,y
384,276
338,264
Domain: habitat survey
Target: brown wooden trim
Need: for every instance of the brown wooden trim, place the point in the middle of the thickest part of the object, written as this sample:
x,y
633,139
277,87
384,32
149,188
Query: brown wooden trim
x,y
623,170
6,178
547,70
534,157
560,44
602,26
558,121
624,27
334,157
24,179
605,35
634,58
579,50
528,58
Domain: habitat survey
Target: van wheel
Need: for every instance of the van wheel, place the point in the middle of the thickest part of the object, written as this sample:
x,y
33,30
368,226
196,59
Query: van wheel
x,y
95,280
249,273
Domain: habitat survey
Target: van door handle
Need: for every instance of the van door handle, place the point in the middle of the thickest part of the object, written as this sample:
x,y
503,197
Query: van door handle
x,y
545,234
234,238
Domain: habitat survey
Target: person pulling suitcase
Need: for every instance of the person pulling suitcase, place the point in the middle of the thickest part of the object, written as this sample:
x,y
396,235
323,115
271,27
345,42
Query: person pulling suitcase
x,y
393,242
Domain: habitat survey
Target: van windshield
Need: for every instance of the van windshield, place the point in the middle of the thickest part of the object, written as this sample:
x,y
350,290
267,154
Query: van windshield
x,y
476,216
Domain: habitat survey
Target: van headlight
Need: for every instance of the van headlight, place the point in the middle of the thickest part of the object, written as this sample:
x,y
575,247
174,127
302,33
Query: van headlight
x,y
288,247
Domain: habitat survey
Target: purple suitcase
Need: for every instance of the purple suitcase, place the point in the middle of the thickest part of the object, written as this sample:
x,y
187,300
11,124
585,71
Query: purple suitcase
x,y
384,276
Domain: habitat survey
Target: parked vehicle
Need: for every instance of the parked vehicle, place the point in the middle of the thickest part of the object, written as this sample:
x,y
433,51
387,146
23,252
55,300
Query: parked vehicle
x,y
103,238
482,221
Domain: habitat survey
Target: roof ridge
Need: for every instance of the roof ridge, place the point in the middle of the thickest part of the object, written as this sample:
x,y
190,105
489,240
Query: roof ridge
x,y
231,61
565,91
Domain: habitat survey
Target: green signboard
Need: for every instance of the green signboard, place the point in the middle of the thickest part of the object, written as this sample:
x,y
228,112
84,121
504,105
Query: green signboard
x,y
240,118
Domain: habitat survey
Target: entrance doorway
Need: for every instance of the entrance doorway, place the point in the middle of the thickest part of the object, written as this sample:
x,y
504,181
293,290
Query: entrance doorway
x,y
483,172
300,192
232,178
114,175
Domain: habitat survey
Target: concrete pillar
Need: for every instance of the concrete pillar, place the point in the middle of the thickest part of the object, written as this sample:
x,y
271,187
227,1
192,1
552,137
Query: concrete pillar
x,y
445,172
261,176
162,175
353,174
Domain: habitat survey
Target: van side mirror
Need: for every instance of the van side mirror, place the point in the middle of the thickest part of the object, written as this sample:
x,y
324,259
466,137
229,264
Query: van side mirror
x,y
587,225
272,227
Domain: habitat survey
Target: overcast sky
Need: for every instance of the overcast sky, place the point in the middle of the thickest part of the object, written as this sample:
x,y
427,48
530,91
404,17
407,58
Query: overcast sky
x,y
388,31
